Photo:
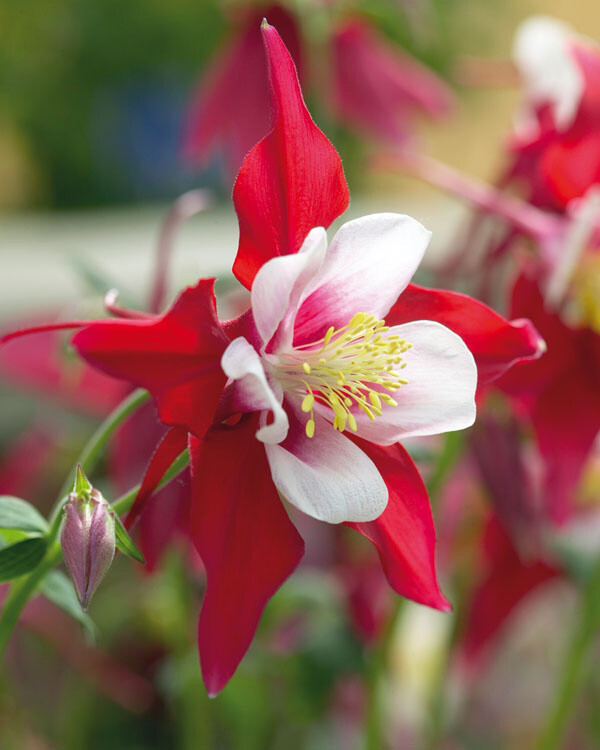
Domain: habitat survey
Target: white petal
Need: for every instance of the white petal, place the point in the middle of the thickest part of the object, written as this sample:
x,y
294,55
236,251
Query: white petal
x,y
327,476
367,266
440,395
252,392
550,73
279,284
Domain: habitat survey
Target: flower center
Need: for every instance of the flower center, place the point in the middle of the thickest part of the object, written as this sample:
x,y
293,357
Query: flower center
x,y
349,367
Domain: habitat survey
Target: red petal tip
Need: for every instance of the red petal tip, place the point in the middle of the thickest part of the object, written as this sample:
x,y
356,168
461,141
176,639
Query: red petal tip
x,y
537,343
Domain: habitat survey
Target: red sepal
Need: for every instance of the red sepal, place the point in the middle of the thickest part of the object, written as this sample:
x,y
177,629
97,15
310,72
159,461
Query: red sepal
x,y
246,541
496,343
231,105
165,521
566,420
175,356
404,533
172,444
291,181
560,395
41,364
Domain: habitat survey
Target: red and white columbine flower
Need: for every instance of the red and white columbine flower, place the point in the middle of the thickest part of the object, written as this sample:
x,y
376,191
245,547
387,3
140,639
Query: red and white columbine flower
x,y
326,366
220,386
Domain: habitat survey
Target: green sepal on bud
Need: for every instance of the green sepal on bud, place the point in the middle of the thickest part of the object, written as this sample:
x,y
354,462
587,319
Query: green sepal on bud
x,y
82,487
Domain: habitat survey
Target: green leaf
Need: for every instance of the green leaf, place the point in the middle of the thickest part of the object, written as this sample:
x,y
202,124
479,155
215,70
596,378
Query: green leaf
x,y
59,590
20,558
19,514
125,543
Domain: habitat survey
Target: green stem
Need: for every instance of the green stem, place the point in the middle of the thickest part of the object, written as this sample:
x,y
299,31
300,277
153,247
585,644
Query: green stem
x,y
451,452
97,443
574,666
374,721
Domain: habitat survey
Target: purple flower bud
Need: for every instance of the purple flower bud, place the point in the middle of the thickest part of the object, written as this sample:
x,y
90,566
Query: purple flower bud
x,y
88,541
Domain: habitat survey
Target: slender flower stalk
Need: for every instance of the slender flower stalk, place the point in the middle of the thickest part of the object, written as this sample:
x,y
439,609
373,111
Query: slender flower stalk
x,y
96,445
523,216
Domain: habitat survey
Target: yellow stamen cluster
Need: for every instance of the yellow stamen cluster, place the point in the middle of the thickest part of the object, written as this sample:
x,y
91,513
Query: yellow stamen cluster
x,y
340,370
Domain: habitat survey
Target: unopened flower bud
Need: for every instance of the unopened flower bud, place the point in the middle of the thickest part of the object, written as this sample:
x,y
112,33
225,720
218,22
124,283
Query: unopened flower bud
x,y
87,538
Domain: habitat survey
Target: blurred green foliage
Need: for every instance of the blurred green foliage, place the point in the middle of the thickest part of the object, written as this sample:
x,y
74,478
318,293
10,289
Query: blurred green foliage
x,y
97,88
59,58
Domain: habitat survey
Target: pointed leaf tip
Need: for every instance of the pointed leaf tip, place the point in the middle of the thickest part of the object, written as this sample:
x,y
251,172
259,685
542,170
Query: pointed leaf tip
x,y
82,486
264,24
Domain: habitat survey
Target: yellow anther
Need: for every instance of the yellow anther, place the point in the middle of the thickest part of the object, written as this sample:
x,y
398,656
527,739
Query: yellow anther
x,y
355,366
357,320
308,402
340,423
338,410
375,400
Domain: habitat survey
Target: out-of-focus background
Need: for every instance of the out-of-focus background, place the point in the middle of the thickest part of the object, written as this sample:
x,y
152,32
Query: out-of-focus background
x,y
93,99
92,104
